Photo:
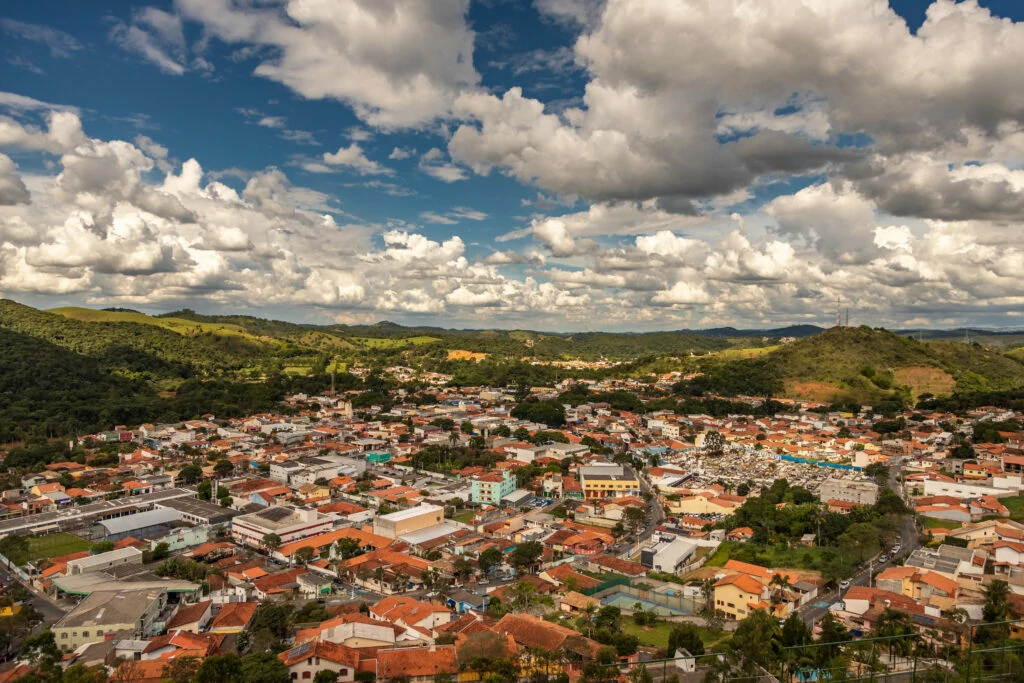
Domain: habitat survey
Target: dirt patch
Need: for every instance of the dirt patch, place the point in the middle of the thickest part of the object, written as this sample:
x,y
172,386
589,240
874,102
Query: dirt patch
x,y
466,355
812,391
924,380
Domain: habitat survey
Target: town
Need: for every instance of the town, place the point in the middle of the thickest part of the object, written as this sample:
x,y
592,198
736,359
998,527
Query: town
x,y
497,533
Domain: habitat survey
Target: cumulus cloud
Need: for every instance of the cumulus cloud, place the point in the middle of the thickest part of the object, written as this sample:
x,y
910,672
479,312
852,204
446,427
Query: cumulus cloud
x,y
704,103
397,63
12,187
354,158
433,164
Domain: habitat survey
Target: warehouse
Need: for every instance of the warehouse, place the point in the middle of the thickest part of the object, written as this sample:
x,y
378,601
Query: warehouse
x,y
143,525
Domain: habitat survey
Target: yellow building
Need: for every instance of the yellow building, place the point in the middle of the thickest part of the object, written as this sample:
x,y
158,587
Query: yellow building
x,y
609,481
736,596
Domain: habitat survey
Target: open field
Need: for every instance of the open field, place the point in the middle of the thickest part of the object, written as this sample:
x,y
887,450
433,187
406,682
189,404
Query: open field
x,y
393,343
51,545
775,556
737,354
929,523
657,635
924,380
1016,507
179,325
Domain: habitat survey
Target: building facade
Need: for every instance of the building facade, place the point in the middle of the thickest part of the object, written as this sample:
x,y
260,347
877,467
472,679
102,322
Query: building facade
x,y
288,523
490,488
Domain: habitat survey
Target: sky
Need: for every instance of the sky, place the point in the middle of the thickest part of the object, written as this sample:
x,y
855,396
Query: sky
x,y
563,165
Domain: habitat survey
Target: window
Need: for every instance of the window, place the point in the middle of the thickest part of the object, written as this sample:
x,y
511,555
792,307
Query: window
x,y
64,636
85,634
306,674
294,675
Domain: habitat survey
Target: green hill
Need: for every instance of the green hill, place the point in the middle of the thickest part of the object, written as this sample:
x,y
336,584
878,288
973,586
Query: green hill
x,y
135,349
870,364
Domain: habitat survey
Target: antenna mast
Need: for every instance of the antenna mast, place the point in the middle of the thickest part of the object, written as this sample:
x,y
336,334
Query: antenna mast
x,y
839,315
847,316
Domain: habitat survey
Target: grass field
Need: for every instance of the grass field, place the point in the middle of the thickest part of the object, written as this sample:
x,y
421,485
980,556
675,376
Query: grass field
x,y
389,343
464,517
737,354
929,523
51,545
657,635
776,556
1016,507
179,325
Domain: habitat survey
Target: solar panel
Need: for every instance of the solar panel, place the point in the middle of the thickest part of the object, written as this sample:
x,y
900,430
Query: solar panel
x,y
300,650
275,514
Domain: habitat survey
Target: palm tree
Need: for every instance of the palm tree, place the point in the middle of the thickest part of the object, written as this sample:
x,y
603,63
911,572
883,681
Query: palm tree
x,y
589,611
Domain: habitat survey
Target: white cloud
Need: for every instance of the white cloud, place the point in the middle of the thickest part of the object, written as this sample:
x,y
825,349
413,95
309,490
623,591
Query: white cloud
x,y
12,187
432,217
336,50
353,157
60,44
401,153
156,36
784,78
432,163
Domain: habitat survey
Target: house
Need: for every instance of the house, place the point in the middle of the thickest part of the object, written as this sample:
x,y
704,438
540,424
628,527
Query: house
x,y
234,617
577,602
533,632
306,660
738,595
416,664
191,618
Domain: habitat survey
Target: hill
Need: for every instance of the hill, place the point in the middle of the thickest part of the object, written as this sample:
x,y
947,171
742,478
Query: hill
x,y
872,364
121,343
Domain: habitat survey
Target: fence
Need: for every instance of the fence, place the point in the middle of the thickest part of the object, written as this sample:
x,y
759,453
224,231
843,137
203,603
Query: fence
x,y
675,603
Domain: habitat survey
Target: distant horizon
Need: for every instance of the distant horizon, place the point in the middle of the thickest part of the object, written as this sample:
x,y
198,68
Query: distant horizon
x,y
749,331
628,165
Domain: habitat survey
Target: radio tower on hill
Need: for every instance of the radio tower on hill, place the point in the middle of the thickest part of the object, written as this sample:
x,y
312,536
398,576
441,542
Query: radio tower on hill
x,y
839,314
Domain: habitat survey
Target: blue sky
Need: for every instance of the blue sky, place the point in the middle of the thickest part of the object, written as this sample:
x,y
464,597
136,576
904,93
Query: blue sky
x,y
562,164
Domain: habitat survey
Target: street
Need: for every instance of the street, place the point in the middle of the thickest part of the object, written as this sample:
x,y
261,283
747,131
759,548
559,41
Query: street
x,y
908,542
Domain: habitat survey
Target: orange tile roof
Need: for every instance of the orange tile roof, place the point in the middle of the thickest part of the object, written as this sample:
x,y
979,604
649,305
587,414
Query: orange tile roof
x,y
744,582
407,662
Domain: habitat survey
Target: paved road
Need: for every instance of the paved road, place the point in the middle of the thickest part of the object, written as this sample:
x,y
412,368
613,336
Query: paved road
x,y
50,611
908,542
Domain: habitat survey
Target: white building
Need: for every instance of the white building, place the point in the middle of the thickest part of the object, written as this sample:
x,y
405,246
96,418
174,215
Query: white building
x,y
290,524
103,561
857,491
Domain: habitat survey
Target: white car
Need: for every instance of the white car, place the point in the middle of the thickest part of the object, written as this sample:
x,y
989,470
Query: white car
x,y
843,585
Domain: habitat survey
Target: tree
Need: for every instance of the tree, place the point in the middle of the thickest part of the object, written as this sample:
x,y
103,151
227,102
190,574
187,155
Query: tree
x,y
753,640
525,554
634,518
190,474
861,540
80,673
39,646
263,667
219,669
271,542
996,609
223,467
325,676
181,669
879,472
833,635
795,632
466,427
521,434
205,490
522,595
305,554
640,674
714,443
347,548
687,637
490,558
